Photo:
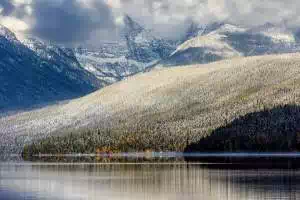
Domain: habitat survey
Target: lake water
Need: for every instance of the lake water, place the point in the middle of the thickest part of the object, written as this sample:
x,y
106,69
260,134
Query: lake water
x,y
138,179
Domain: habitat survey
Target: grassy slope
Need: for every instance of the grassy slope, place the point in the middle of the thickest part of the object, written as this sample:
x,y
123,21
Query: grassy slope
x,y
180,105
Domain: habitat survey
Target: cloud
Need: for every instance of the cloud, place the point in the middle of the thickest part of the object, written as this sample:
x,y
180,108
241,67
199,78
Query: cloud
x,y
6,7
257,12
70,21
77,21
160,13
12,14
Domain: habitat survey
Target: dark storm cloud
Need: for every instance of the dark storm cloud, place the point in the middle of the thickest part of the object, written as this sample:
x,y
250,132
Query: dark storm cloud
x,y
7,7
70,21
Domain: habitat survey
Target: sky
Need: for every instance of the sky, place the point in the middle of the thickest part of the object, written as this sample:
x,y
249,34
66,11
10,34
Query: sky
x,y
78,21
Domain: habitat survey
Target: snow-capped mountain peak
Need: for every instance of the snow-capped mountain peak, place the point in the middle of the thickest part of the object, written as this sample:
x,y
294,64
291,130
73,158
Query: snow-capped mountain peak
x,y
131,27
223,40
6,33
228,28
197,30
138,49
34,72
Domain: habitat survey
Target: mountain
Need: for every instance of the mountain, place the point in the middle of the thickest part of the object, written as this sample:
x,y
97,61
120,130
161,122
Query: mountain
x,y
141,50
108,62
173,106
220,41
34,73
54,72
63,60
143,45
138,49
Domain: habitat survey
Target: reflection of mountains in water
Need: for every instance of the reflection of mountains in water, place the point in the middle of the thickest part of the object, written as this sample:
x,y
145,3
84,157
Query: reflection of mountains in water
x,y
125,158
152,182
207,160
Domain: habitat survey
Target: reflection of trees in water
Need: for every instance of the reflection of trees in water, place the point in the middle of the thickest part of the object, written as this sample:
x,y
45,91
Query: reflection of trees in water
x,y
181,181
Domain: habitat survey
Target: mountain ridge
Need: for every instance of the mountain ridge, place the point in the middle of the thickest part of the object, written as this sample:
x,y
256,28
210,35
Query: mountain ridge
x,y
220,41
29,79
140,50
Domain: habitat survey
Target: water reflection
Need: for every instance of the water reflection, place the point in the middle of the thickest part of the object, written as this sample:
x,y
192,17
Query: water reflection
x,y
163,181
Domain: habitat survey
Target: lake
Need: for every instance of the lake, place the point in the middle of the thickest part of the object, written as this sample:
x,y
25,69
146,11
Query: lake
x,y
141,177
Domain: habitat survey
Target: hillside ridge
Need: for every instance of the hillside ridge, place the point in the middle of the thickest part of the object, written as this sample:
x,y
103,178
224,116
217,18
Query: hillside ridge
x,y
195,98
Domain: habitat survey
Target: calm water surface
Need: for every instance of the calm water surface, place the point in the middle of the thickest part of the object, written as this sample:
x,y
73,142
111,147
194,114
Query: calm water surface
x,y
157,180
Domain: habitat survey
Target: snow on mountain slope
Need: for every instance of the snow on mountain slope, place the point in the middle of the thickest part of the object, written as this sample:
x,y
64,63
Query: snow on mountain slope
x,y
138,49
39,75
198,97
77,68
109,62
63,60
7,34
209,46
222,41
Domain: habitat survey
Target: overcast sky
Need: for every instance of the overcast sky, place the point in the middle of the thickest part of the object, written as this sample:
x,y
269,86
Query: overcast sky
x,y
76,21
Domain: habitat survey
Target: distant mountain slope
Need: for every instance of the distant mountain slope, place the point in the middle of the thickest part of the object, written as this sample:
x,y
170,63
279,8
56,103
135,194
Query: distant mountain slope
x,y
143,45
39,74
219,41
63,60
138,49
141,50
109,62
55,73
181,105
